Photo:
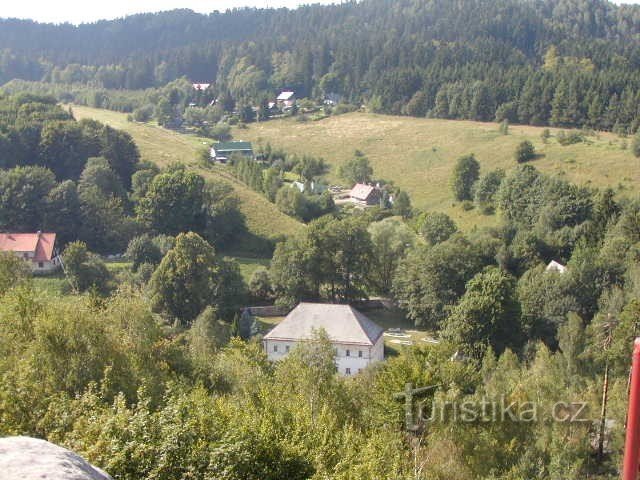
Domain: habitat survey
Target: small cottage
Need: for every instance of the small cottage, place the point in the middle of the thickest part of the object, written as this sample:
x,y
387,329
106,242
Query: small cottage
x,y
286,99
365,194
36,248
223,150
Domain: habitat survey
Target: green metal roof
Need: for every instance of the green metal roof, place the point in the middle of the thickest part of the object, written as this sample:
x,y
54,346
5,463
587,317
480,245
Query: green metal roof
x,y
232,146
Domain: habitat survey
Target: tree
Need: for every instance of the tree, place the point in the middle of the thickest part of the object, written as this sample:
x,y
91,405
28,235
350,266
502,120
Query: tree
x,y
85,270
391,239
186,279
174,202
164,113
525,152
141,180
417,106
121,152
14,271
223,221
465,174
23,194
356,170
260,284
63,212
271,183
207,334
486,190
141,250
488,315
98,174
436,227
290,201
430,279
331,259
105,225
63,149
402,205
546,298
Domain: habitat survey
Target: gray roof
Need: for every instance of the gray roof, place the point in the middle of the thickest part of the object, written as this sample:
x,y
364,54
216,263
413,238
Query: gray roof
x,y
232,146
343,324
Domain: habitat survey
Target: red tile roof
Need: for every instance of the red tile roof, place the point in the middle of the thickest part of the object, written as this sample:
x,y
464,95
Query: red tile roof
x,y
361,191
40,244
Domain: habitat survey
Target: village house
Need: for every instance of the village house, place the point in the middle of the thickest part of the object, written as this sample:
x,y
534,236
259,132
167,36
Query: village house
x,y
357,340
286,99
309,187
556,267
36,248
365,194
223,150
201,86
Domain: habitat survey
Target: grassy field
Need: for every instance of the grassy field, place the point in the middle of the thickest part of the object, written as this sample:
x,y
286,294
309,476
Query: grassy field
x,y
250,265
418,154
163,147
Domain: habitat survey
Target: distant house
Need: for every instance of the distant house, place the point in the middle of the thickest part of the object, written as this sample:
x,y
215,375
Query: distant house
x,y
556,267
286,99
201,86
358,341
36,248
223,150
313,186
332,98
365,194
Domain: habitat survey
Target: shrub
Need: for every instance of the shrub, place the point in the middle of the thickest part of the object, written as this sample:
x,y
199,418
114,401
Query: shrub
x,y
525,152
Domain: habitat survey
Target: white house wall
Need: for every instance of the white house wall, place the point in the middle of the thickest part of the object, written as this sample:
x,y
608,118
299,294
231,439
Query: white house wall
x,y
350,358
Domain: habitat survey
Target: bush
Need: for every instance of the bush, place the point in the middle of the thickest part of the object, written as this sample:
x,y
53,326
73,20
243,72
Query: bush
x,y
545,135
343,108
143,114
84,269
436,227
260,285
565,139
143,250
467,205
525,152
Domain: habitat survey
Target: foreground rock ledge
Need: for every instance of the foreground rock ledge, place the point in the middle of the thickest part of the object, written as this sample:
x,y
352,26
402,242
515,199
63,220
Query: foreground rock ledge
x,y
25,458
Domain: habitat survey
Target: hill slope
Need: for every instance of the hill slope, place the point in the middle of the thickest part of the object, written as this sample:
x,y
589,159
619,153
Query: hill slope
x,y
418,154
163,147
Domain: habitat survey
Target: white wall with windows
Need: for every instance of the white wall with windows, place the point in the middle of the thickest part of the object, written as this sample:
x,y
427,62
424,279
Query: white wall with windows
x,y
350,358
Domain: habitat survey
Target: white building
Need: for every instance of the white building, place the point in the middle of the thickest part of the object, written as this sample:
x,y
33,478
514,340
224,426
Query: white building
x,y
556,267
35,248
286,99
357,339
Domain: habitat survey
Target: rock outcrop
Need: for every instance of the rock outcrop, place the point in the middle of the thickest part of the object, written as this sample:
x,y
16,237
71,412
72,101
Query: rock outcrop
x,y
25,458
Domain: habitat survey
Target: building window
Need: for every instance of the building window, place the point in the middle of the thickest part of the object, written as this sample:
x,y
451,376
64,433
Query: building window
x,y
360,353
286,349
347,371
275,348
25,255
40,265
348,353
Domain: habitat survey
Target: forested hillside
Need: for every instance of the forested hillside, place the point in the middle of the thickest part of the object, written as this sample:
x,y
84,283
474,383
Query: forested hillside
x,y
558,62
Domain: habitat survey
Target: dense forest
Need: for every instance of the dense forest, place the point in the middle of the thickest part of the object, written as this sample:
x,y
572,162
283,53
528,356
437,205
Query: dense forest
x,y
558,62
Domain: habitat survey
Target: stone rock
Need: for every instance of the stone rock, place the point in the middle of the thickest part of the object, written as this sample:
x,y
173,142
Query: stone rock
x,y
26,458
